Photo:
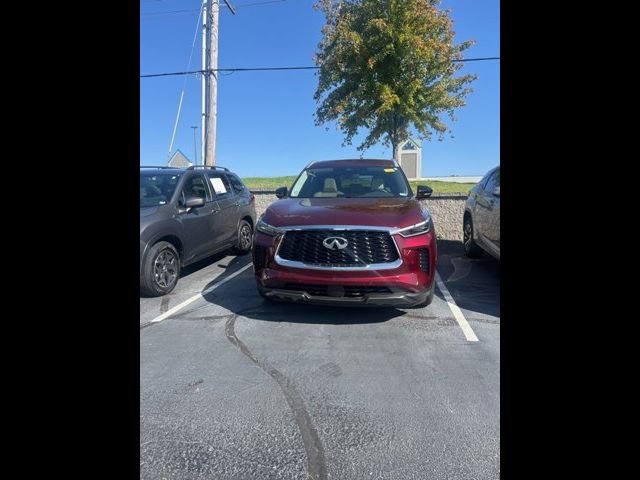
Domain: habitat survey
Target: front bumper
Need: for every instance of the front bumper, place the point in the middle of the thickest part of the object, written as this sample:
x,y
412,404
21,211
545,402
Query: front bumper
x,y
394,299
410,283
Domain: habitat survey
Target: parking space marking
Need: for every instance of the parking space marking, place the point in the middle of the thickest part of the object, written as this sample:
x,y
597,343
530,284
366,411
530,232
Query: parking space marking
x,y
180,306
457,313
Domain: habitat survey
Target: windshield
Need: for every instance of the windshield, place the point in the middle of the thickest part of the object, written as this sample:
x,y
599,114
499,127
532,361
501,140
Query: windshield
x,y
351,182
157,189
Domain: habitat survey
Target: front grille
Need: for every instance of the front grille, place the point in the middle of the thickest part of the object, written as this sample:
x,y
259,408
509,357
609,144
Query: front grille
x,y
364,247
336,291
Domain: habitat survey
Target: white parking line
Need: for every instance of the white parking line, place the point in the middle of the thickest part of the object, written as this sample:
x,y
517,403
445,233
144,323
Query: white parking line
x,y
180,306
457,313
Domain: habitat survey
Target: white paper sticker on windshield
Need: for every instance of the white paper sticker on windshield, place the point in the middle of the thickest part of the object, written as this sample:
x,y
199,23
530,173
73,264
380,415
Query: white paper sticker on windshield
x,y
218,186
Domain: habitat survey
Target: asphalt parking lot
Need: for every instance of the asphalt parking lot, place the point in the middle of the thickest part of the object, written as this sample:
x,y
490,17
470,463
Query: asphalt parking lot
x,y
234,387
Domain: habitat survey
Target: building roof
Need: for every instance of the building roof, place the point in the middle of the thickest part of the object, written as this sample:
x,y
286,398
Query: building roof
x,y
417,143
179,159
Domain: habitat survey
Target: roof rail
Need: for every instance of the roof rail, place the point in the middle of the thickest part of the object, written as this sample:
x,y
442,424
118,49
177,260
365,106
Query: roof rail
x,y
193,167
156,166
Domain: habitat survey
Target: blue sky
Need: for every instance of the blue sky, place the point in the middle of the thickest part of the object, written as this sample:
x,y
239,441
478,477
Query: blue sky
x,y
265,119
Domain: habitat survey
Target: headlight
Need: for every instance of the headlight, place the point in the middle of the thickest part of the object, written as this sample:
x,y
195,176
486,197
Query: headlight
x,y
419,228
267,229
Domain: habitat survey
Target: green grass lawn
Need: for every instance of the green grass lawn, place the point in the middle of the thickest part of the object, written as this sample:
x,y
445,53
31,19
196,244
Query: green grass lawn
x,y
271,183
444,187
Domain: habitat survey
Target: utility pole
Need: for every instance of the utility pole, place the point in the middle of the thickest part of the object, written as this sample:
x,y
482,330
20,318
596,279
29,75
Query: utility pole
x,y
212,80
210,77
195,144
203,123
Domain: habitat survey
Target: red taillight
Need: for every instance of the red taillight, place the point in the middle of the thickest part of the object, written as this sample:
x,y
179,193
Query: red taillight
x,y
252,198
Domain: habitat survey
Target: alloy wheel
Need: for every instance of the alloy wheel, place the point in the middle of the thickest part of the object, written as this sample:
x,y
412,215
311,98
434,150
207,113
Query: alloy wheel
x,y
468,234
245,237
165,269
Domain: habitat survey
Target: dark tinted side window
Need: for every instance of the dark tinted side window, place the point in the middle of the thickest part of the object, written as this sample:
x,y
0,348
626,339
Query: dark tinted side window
x,y
220,185
236,183
493,182
484,180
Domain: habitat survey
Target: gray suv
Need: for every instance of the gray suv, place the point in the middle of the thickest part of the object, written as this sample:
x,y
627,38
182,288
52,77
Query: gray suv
x,y
481,222
187,215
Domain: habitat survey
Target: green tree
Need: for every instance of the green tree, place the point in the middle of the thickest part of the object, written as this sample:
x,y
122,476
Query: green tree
x,y
387,65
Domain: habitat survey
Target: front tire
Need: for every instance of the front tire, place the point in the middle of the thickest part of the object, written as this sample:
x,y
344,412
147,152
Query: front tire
x,y
245,237
161,270
471,248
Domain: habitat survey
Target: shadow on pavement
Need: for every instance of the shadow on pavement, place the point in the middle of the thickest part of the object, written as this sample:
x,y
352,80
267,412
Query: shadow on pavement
x,y
474,283
241,297
199,265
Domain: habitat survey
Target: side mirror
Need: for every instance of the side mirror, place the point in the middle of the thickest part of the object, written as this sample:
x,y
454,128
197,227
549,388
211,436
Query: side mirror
x,y
424,191
281,192
496,191
193,202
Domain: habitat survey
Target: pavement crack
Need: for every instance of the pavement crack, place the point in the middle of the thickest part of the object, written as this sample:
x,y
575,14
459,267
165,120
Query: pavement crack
x,y
316,462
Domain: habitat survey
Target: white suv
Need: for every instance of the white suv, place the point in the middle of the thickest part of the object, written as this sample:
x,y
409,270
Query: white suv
x,y
481,223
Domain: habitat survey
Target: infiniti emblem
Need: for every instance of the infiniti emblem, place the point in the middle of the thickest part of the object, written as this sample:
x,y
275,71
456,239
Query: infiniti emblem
x,y
335,243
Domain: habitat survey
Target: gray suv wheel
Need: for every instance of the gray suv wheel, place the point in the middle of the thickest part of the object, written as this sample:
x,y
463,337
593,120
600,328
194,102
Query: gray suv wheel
x,y
245,237
161,270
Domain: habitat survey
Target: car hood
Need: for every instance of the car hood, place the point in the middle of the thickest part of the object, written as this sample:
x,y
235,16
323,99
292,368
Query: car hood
x,y
374,212
147,211
149,216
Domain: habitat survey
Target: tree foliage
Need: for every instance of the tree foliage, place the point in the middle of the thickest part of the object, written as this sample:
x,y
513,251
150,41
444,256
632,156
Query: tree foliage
x,y
387,65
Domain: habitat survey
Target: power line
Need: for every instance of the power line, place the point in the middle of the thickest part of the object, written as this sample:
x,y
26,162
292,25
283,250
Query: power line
x,y
186,11
184,84
266,69
170,12
226,70
258,3
479,59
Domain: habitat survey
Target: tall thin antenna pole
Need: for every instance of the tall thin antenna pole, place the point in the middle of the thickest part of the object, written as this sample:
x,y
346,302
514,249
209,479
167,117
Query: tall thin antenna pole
x,y
175,125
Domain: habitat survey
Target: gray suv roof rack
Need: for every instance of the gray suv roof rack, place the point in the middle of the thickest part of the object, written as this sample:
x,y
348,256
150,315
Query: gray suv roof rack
x,y
156,166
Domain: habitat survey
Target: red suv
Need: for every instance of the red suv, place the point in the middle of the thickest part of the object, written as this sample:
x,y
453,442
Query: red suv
x,y
350,232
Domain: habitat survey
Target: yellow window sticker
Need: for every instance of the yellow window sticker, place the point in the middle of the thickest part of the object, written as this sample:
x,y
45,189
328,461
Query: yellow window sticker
x,y
389,170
